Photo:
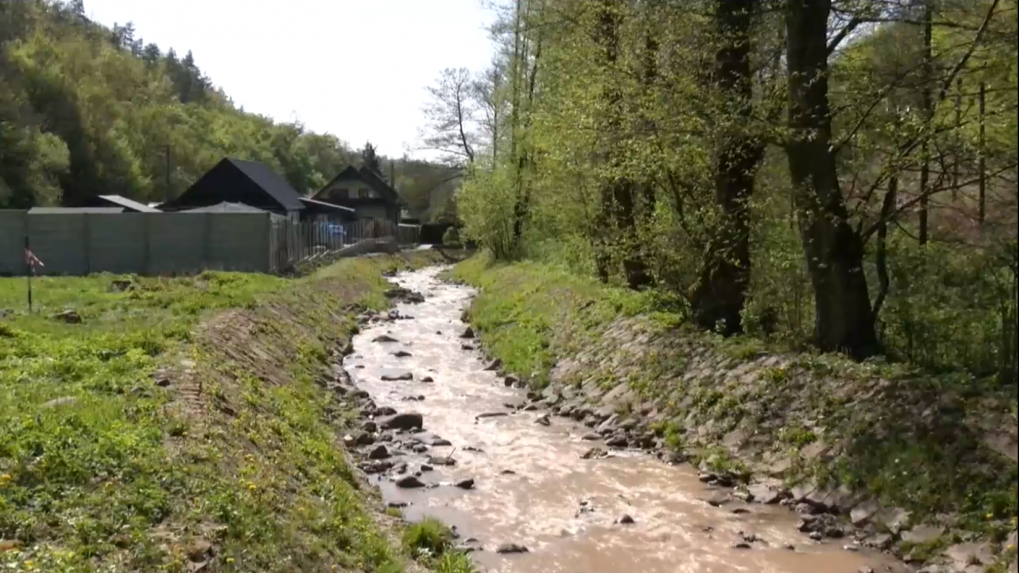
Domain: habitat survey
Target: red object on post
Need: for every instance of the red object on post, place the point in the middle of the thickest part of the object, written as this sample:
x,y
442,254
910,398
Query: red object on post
x,y
31,260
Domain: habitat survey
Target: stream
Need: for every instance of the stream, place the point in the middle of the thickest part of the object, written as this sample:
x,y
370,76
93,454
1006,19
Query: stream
x,y
531,486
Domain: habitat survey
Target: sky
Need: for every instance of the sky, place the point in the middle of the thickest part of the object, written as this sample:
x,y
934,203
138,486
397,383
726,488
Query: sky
x,y
358,69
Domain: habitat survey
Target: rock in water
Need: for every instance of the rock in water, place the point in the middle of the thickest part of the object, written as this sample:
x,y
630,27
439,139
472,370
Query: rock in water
x,y
397,377
408,421
385,339
441,461
492,415
544,421
466,484
494,365
742,545
403,354
468,334
512,549
410,482
625,520
379,453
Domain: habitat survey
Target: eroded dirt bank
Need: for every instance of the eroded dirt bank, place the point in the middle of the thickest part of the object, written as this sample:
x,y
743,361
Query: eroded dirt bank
x,y
447,436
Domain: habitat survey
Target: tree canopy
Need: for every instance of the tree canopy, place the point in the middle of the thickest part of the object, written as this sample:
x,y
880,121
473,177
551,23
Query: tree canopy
x,y
743,158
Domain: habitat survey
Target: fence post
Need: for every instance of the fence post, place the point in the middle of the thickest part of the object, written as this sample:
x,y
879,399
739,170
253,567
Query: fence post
x,y
207,246
86,226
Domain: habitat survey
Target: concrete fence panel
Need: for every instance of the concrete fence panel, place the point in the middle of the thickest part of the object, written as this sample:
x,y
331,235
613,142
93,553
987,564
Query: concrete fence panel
x,y
60,242
117,243
239,242
13,225
177,242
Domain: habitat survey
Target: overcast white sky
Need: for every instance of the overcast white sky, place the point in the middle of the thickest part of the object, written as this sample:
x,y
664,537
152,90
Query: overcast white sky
x,y
355,68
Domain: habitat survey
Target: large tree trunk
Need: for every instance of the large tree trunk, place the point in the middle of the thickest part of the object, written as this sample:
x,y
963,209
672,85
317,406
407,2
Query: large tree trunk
x,y
834,252
721,290
617,191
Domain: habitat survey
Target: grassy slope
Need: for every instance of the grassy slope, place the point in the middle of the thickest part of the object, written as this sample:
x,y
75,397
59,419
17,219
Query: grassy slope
x,y
531,314
185,422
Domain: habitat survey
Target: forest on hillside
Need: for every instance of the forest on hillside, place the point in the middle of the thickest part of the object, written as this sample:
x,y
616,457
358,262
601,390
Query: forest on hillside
x,y
831,174
86,109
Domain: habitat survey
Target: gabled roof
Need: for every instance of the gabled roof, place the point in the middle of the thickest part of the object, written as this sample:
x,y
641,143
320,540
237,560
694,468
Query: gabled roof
x,y
226,207
372,179
128,204
270,182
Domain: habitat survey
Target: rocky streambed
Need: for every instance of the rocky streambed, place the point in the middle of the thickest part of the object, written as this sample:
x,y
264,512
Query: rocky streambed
x,y
533,484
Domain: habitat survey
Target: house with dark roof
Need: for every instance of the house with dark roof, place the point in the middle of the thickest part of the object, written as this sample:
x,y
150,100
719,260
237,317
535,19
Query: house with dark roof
x,y
254,185
366,192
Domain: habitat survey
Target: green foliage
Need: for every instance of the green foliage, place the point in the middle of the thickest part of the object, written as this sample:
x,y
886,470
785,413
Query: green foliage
x,y
451,237
673,437
430,537
605,113
433,543
525,303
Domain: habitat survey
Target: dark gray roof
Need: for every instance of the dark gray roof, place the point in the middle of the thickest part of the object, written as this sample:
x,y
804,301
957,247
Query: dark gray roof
x,y
128,204
271,182
76,210
226,207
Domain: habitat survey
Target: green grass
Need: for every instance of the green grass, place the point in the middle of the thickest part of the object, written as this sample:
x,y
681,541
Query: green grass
x,y
433,543
530,301
103,469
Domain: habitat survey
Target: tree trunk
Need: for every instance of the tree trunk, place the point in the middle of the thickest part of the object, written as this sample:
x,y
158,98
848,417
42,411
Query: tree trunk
x,y
617,190
927,108
834,252
721,290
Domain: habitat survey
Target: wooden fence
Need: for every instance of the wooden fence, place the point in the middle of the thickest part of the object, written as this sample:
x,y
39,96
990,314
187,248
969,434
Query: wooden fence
x,y
291,243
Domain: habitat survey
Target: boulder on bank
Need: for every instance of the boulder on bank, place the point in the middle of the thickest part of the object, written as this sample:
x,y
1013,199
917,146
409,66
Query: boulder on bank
x,y
407,421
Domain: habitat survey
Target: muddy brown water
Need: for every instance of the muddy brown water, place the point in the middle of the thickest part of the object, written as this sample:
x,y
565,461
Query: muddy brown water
x,y
539,505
